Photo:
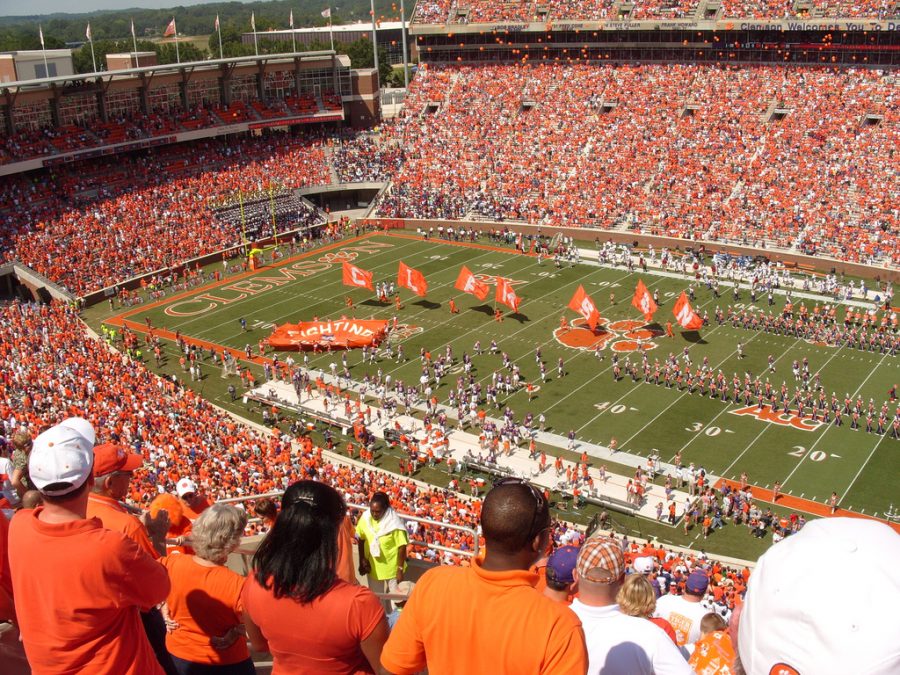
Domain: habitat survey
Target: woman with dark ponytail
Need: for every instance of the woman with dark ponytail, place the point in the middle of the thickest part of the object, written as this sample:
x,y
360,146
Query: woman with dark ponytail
x,y
296,607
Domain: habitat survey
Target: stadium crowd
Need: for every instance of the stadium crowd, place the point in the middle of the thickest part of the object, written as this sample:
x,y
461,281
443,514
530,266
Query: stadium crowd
x,y
624,147
107,220
482,11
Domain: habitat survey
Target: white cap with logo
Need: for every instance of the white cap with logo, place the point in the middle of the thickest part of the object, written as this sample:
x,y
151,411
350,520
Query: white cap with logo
x,y
61,460
824,601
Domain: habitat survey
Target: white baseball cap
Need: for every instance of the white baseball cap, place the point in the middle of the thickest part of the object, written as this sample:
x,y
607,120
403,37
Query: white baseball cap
x,y
60,456
824,601
82,426
643,565
185,486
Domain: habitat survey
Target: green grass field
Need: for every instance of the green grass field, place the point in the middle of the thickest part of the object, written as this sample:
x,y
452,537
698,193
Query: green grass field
x,y
862,468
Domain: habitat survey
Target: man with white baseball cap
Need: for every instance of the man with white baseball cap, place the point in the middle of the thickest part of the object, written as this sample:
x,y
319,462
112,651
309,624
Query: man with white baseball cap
x,y
78,587
823,602
193,502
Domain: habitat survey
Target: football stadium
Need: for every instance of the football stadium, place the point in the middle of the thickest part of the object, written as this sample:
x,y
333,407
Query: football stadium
x,y
590,327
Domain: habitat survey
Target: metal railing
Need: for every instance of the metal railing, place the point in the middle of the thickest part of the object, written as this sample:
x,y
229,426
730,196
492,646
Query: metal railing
x,y
246,554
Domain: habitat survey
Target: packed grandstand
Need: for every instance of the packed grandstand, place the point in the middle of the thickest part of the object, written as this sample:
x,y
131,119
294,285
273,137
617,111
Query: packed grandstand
x,y
784,145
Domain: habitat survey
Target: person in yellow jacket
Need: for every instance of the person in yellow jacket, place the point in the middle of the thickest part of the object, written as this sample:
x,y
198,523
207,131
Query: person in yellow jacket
x,y
382,541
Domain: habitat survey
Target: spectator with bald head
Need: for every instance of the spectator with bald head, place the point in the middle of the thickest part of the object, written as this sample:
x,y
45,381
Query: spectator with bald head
x,y
491,607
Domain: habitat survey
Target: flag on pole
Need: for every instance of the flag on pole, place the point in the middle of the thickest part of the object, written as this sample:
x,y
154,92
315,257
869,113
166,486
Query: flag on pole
x,y
87,33
252,22
41,36
291,19
506,294
326,13
412,279
582,303
217,22
170,29
354,276
643,301
685,314
467,283
133,35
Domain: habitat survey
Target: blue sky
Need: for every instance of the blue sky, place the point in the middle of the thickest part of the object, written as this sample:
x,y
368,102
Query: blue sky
x,y
35,7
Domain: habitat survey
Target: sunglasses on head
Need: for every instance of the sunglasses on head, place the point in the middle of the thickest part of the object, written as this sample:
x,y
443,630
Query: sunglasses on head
x,y
539,500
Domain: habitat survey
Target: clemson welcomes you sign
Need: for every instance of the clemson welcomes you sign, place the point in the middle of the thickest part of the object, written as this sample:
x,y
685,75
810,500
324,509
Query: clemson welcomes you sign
x,y
340,334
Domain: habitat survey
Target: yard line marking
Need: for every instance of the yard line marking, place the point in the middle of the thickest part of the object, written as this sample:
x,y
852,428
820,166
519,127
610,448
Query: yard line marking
x,y
831,426
858,473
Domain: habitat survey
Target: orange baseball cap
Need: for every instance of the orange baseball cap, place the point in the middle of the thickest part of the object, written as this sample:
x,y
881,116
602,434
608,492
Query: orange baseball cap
x,y
111,457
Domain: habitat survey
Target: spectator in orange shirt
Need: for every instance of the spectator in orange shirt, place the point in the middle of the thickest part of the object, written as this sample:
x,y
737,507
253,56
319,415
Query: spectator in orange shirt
x,y
79,585
488,618
113,470
295,584
193,502
204,608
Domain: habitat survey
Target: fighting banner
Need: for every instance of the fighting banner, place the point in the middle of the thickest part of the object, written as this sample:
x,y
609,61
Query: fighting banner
x,y
340,334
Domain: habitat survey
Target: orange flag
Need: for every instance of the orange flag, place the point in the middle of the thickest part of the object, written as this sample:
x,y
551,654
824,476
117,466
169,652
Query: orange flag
x,y
582,303
643,301
685,314
467,283
412,279
354,276
506,294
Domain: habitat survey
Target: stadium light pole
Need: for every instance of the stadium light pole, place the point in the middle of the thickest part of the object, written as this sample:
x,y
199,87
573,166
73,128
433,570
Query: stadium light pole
x,y
375,46
403,37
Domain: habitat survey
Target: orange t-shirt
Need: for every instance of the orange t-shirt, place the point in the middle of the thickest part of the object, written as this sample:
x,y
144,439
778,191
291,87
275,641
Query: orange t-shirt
x,y
713,654
470,620
192,514
316,638
115,517
205,602
84,586
5,577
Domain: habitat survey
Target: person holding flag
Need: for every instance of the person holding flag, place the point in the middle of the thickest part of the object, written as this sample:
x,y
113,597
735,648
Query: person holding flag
x,y
685,315
643,301
468,283
582,303
412,279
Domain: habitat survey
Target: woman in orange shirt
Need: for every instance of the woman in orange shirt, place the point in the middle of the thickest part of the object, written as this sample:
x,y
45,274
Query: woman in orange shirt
x,y
204,608
295,584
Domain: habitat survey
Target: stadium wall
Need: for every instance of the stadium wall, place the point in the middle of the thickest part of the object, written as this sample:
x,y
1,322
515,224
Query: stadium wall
x,y
821,264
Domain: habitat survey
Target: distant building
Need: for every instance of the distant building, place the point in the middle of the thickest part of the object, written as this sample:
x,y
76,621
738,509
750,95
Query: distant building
x,y
389,35
127,60
29,64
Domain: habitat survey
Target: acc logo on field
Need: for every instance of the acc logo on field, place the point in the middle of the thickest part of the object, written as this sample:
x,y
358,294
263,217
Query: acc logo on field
x,y
619,336
765,414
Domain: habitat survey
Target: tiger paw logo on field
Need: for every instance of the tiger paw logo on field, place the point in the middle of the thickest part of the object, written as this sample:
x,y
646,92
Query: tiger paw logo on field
x,y
403,332
620,336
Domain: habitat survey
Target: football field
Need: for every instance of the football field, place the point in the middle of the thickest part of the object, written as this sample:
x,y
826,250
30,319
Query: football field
x,y
810,459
